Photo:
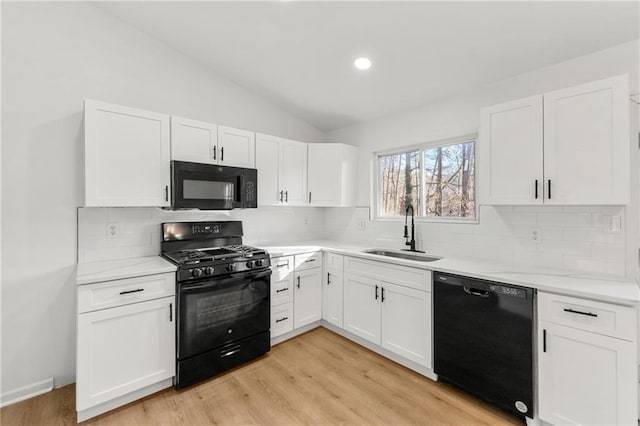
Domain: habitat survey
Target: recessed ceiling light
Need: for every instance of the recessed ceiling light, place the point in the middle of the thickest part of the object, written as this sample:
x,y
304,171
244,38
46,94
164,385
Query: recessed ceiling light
x,y
362,63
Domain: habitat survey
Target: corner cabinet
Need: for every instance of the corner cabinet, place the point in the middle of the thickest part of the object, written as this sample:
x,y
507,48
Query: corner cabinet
x,y
569,146
282,171
127,155
126,341
332,175
587,361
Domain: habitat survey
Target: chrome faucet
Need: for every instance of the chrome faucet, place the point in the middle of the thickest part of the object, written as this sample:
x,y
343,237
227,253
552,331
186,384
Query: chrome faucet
x,y
412,242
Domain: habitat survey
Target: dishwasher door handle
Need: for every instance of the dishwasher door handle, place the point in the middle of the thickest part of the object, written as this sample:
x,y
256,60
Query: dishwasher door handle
x,y
475,292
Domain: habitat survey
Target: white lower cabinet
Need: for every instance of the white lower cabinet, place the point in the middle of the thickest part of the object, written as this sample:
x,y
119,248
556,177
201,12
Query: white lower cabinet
x,y
122,350
585,376
307,300
282,278
396,317
333,289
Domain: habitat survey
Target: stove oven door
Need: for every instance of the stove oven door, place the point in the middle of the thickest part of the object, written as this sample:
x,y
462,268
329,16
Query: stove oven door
x,y
218,311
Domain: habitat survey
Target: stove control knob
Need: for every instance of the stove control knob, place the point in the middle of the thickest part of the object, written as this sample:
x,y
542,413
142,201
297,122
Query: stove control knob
x,y
250,264
196,272
231,267
208,270
259,262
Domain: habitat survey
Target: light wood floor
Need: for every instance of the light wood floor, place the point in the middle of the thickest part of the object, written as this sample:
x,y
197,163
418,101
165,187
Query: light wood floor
x,y
317,378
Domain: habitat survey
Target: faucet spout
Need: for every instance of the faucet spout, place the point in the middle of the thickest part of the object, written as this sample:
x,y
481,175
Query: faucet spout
x,y
411,243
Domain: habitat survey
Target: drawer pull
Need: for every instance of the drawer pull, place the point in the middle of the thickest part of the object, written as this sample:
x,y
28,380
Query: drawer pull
x,y
281,290
589,314
310,260
282,265
282,319
132,291
229,352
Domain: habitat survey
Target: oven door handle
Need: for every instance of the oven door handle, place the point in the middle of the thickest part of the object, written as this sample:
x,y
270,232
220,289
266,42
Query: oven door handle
x,y
215,282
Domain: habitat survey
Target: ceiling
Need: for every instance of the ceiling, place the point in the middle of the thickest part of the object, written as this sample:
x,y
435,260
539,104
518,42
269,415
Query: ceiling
x,y
299,54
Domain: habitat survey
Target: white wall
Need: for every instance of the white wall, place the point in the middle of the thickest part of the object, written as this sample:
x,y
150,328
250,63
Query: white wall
x,y
573,237
53,56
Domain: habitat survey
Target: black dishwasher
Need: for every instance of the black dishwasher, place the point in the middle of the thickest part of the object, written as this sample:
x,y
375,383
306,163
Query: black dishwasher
x,y
483,339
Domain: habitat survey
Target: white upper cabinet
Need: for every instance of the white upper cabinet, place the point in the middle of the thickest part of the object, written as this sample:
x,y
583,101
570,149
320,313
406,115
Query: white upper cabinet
x,y
127,156
510,156
194,141
332,175
282,171
586,143
236,147
570,146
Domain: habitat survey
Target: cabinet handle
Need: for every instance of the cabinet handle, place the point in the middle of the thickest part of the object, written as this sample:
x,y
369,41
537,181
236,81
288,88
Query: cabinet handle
x,y
298,281
328,278
589,314
544,340
222,153
166,192
536,197
309,197
382,296
214,152
282,319
549,188
132,291
281,195
281,290
282,265
286,196
376,292
310,260
170,312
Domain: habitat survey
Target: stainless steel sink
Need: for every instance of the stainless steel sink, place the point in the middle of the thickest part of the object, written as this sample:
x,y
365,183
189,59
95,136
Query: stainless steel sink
x,y
401,255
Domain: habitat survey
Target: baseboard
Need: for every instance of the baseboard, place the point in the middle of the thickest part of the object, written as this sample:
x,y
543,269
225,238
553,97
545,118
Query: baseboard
x,y
26,392
293,333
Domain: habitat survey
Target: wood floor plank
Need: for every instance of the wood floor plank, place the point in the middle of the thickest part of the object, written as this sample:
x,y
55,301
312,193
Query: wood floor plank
x,y
318,378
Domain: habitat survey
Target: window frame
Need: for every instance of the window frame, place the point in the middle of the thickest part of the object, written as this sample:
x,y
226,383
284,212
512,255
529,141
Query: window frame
x,y
421,147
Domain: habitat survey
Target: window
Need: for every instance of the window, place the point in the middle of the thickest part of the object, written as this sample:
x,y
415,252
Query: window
x,y
438,180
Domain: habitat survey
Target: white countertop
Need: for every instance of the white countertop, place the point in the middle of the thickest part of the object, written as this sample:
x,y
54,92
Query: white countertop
x,y
108,270
553,281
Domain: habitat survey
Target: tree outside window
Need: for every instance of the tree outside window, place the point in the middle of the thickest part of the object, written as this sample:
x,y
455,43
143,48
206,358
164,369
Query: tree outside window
x,y
439,181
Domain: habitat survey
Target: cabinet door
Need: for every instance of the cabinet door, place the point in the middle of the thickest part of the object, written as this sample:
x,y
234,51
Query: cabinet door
x,y
332,296
282,279
127,160
268,165
193,141
293,172
236,147
585,378
586,143
362,307
307,306
510,153
406,322
325,174
124,349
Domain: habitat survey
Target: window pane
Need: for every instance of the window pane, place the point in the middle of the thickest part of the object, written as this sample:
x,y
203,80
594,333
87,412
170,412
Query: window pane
x,y
450,180
399,183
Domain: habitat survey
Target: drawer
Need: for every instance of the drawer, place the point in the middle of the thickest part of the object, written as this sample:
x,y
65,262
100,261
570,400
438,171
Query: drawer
x,y
92,297
281,267
281,319
417,278
308,260
333,261
281,289
602,318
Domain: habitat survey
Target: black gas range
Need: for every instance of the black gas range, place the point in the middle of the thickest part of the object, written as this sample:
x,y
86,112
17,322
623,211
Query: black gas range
x,y
223,298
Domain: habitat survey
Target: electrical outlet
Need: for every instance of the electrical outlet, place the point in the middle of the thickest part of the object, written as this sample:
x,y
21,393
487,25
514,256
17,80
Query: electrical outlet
x,y
536,234
362,224
112,230
613,223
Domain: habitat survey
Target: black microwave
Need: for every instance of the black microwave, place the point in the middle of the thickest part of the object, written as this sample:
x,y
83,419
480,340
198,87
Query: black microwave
x,y
211,187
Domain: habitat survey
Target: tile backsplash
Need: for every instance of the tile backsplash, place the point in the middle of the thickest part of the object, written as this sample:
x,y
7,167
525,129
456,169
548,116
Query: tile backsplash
x,y
568,238
137,230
